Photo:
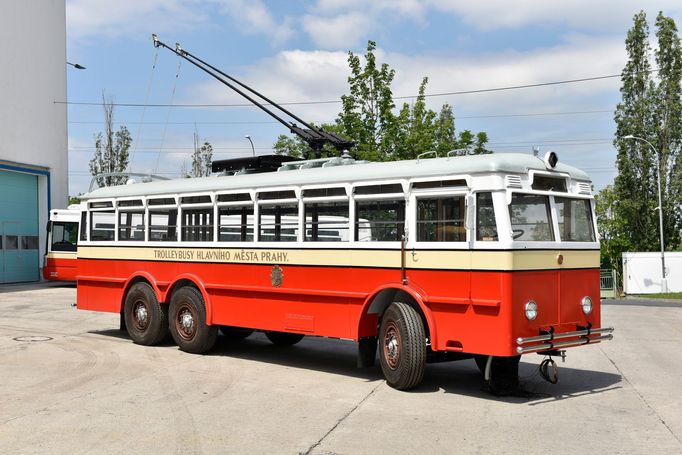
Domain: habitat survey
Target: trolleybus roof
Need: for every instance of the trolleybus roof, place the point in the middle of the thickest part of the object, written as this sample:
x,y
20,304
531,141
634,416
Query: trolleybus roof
x,y
514,163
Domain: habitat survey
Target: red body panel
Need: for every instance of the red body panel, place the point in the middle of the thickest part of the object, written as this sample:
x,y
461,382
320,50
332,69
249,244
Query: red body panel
x,y
479,312
60,269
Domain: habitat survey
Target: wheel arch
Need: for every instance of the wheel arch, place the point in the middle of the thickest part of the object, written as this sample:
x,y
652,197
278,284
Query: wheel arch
x,y
188,279
375,306
139,277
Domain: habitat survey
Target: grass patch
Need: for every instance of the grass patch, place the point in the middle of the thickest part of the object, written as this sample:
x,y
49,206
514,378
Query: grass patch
x,y
665,295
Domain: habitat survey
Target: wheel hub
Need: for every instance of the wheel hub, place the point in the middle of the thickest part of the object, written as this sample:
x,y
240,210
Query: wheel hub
x,y
187,321
141,313
392,345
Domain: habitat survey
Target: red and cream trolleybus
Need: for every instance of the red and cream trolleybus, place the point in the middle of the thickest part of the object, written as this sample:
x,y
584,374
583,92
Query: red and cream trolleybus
x,y
59,263
489,256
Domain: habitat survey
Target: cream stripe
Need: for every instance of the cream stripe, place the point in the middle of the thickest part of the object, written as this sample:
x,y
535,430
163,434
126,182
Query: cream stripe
x,y
53,255
441,260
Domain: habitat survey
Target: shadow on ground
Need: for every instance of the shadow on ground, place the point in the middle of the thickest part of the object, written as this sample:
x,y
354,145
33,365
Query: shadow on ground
x,y
461,377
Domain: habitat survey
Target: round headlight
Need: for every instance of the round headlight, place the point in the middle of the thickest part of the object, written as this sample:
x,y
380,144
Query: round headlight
x,y
531,310
586,303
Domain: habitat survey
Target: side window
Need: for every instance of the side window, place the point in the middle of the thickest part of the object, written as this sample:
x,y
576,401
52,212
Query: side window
x,y
235,223
102,225
486,226
441,219
575,220
163,225
379,221
327,221
131,225
278,222
197,225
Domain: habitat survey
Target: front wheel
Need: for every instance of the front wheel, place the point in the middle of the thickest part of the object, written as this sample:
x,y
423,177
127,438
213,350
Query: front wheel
x,y
402,346
145,318
188,321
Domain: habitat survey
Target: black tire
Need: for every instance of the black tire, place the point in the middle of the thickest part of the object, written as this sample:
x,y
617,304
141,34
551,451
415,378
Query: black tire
x,y
188,321
146,320
402,346
284,338
235,333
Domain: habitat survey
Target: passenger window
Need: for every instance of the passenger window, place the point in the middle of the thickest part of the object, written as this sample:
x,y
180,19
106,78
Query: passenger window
x,y
379,221
278,223
236,224
327,222
197,225
163,225
575,220
131,226
102,225
486,226
441,219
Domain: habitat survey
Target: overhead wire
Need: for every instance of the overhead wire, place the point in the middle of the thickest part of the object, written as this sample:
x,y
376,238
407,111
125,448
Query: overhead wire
x,y
146,100
165,127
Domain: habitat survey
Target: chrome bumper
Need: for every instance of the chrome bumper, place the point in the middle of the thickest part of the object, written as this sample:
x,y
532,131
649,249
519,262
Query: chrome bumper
x,y
550,341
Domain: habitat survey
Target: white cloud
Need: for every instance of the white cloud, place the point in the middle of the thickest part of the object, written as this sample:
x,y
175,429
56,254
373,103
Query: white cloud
x,y
100,18
338,32
253,17
609,15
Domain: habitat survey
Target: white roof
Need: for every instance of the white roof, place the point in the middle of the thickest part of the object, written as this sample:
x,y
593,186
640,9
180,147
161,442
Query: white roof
x,y
506,163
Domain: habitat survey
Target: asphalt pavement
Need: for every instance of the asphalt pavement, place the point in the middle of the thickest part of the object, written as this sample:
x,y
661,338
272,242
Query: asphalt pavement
x,y
72,383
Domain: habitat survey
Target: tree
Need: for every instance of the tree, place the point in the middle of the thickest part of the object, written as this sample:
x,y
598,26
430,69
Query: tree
x,y
202,157
295,146
111,149
650,109
369,120
368,117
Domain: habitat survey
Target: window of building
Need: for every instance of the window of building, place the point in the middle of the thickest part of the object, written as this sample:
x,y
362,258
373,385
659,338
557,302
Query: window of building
x,y
441,219
29,242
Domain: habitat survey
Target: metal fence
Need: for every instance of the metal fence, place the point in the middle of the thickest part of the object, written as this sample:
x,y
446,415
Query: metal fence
x,y
607,284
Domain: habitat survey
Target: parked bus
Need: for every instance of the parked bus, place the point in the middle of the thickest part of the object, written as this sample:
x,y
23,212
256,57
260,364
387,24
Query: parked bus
x,y
59,263
486,257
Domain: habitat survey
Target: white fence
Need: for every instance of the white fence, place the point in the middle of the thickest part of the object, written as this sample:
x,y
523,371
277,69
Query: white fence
x,y
642,272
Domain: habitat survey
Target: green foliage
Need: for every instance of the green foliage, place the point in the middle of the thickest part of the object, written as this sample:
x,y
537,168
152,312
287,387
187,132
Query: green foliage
x,y
111,149
74,200
612,229
295,146
381,132
650,109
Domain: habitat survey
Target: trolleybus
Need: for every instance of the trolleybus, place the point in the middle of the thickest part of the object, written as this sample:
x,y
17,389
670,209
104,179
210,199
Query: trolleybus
x,y
59,263
488,257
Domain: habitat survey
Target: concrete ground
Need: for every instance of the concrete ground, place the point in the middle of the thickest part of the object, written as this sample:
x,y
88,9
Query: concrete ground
x,y
70,382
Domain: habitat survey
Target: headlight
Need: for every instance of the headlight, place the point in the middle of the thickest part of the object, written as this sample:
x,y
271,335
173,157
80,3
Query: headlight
x,y
586,303
531,310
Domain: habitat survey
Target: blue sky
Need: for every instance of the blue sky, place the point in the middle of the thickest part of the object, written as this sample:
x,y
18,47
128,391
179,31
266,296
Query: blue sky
x,y
296,51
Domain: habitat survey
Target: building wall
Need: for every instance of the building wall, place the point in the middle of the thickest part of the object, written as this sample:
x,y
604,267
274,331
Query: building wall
x,y
642,272
33,128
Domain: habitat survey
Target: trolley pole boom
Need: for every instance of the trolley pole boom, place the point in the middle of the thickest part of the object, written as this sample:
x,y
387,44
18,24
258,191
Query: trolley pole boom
x,y
315,137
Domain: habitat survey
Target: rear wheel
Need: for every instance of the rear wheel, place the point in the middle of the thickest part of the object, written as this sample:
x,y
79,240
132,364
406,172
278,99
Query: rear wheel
x,y
284,338
402,346
145,318
188,321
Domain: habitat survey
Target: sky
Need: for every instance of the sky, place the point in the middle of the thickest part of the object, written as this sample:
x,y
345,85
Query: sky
x,y
296,52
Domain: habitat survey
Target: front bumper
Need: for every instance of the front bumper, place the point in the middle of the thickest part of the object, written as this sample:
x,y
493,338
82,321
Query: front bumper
x,y
549,340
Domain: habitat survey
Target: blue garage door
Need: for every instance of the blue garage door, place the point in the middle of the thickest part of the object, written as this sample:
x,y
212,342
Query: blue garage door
x,y
19,256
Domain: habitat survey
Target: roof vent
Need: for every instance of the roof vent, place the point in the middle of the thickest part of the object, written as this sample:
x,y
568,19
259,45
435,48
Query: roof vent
x,y
513,181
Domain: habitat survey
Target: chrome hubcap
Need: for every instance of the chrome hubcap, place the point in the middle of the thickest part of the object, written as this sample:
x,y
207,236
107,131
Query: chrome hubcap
x,y
141,313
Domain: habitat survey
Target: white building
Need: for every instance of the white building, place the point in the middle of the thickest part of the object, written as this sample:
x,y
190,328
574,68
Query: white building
x,y
642,272
33,131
